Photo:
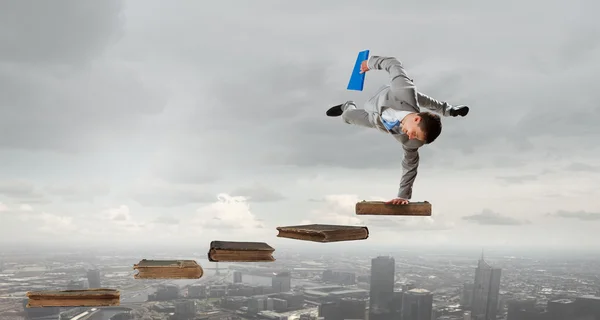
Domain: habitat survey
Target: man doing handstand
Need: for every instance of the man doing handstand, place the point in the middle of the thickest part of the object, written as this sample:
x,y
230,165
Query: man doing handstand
x,y
395,109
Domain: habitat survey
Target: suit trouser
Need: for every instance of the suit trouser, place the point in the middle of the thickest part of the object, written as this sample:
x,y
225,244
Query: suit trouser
x,y
367,117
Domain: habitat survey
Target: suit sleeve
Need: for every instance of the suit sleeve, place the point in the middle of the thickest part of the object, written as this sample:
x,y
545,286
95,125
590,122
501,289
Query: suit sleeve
x,y
433,104
400,83
410,164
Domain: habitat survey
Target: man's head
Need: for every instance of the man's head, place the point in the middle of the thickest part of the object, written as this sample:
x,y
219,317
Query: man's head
x,y
424,126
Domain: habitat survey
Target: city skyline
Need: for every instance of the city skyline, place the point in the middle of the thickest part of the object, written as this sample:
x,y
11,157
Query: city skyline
x,y
423,287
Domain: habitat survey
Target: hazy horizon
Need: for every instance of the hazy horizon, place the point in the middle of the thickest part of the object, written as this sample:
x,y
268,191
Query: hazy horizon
x,y
347,249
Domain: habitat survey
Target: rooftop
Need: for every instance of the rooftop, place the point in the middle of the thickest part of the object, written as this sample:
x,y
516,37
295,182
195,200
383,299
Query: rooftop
x,y
419,291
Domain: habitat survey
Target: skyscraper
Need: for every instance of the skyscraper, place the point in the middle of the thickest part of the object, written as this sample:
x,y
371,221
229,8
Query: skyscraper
x,y
282,282
486,290
522,309
381,293
417,304
466,295
237,277
93,277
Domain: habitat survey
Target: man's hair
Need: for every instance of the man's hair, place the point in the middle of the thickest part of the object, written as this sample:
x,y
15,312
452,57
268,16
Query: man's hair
x,y
431,124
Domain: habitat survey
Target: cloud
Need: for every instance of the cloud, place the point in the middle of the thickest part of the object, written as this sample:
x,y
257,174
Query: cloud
x,y
258,193
227,217
57,89
27,192
56,225
23,212
163,195
290,128
166,220
17,189
180,163
43,33
73,110
580,215
488,217
22,191
228,213
120,213
122,111
519,178
119,220
78,192
582,167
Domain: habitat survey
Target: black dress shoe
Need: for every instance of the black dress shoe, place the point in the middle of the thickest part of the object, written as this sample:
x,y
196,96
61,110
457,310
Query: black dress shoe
x,y
459,111
335,111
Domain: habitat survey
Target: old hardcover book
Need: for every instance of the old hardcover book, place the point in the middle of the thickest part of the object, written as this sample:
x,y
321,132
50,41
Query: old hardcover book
x,y
381,208
99,297
234,251
324,232
168,269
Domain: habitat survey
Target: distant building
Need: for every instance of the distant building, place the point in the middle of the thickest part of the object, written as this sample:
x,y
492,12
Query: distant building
x,y
587,306
396,304
280,305
282,282
79,284
381,292
218,290
417,304
466,295
329,310
523,309
185,309
342,309
486,291
408,286
93,277
339,277
38,313
467,315
237,277
295,300
197,291
333,293
257,304
165,292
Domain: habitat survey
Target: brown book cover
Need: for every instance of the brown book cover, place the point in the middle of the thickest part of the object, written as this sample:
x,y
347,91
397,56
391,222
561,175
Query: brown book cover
x,y
240,251
381,208
168,269
99,297
324,232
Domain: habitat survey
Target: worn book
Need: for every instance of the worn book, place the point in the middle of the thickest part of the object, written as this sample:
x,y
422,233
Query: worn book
x,y
98,297
240,251
324,232
381,208
168,269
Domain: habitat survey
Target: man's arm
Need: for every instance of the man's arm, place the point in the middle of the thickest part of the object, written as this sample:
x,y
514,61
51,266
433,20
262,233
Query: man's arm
x,y
400,83
433,104
410,164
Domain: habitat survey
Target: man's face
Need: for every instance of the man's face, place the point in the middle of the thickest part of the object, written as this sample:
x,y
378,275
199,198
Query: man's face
x,y
412,130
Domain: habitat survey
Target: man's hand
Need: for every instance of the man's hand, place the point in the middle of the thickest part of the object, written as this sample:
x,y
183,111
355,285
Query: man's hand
x,y
364,67
397,201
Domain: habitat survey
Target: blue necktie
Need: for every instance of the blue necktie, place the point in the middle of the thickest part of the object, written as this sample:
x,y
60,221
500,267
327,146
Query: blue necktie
x,y
390,125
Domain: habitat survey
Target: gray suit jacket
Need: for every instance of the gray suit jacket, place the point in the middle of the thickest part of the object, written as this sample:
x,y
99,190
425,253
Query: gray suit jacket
x,y
401,94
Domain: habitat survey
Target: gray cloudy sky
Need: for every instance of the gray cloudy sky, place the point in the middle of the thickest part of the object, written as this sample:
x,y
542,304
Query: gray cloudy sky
x,y
189,121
